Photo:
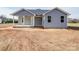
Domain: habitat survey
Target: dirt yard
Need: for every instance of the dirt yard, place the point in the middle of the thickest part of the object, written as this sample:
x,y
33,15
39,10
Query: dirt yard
x,y
37,39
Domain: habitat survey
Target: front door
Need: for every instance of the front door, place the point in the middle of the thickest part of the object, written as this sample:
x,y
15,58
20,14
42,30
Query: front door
x,y
38,21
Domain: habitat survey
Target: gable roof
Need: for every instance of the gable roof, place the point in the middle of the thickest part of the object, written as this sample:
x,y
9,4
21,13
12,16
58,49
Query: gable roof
x,y
58,10
40,12
25,12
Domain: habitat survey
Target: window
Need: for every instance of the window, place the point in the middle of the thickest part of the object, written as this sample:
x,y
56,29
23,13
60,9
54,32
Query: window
x,y
49,19
22,19
62,19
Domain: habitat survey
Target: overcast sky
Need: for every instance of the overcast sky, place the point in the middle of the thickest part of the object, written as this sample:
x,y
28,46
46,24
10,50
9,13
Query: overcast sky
x,y
74,11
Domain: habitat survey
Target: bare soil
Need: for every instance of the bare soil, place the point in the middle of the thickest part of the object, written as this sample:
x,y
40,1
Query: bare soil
x,y
38,39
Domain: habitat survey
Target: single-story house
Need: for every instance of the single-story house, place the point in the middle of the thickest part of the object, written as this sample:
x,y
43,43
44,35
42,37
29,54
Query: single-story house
x,y
55,18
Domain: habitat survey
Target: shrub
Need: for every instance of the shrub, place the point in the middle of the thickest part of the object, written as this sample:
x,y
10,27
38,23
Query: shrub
x,y
9,21
74,21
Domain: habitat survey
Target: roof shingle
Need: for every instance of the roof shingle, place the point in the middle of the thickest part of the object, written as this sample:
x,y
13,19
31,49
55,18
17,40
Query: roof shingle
x,y
38,11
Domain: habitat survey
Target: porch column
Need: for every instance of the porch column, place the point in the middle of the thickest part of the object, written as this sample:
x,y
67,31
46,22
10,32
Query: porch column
x,y
33,20
43,20
13,20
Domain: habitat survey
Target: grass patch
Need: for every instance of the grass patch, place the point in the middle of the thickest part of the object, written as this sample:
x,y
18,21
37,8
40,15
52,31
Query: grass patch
x,y
73,24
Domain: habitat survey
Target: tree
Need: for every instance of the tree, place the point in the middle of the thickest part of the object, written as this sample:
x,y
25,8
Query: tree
x,y
3,18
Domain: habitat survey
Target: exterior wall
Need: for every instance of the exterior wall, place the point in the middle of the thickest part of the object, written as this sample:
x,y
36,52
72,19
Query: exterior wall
x,y
20,20
23,13
27,20
55,20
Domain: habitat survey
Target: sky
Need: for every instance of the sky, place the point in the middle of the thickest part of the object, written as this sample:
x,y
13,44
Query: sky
x,y
6,11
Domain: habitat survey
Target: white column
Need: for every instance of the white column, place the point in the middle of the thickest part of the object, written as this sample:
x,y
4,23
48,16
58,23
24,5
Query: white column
x,y
13,20
33,20
43,20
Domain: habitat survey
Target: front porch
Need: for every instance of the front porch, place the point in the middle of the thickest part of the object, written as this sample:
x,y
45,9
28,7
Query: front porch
x,y
29,21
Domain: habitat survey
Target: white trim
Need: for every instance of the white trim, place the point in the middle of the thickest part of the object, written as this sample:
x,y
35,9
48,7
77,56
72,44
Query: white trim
x,y
22,26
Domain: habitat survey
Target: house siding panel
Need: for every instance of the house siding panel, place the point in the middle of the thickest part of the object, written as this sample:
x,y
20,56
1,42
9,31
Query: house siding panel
x,y
20,20
55,20
28,20
23,13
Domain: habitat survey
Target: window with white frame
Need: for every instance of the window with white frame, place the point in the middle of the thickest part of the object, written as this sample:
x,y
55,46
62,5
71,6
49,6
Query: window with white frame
x,y
62,19
22,19
49,19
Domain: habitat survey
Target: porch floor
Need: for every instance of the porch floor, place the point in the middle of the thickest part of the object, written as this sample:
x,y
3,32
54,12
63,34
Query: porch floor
x,y
22,26
26,26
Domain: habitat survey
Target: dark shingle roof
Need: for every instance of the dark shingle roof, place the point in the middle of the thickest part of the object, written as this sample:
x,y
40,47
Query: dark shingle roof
x,y
38,11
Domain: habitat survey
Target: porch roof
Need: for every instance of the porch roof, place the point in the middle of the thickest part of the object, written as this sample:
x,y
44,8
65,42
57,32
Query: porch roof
x,y
23,12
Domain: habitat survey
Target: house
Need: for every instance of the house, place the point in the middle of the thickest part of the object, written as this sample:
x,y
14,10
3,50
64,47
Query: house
x,y
55,18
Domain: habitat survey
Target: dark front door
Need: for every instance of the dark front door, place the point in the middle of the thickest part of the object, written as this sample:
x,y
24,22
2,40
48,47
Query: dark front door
x,y
38,21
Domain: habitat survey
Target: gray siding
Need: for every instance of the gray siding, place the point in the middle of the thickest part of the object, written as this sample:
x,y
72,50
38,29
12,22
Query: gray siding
x,y
55,20
20,20
27,20
23,13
